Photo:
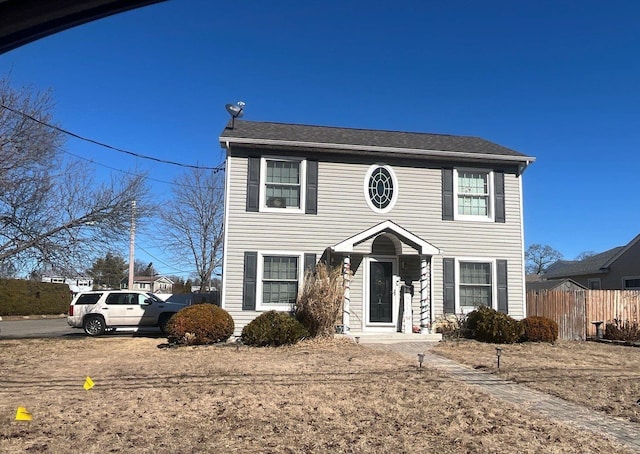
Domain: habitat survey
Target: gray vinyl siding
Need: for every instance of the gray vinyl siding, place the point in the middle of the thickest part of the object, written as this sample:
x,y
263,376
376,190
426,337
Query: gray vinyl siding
x,y
627,265
344,212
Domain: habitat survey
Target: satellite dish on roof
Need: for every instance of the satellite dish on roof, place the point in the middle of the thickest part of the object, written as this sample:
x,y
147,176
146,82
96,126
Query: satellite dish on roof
x,y
235,110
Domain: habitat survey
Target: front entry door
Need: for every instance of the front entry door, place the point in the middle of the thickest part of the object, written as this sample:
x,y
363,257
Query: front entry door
x,y
380,291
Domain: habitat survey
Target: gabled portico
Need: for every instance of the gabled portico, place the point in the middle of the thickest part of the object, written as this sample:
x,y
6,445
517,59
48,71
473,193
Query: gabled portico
x,y
390,258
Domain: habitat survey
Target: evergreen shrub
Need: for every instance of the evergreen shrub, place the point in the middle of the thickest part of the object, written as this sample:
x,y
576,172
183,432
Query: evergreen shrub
x,y
27,297
200,324
273,328
539,329
488,325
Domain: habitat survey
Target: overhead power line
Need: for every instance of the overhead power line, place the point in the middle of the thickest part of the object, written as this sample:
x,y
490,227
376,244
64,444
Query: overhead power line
x,y
101,144
127,172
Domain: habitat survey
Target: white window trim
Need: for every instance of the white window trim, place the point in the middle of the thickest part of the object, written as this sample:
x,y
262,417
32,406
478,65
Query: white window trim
x,y
263,183
624,287
599,281
494,283
260,276
396,188
467,217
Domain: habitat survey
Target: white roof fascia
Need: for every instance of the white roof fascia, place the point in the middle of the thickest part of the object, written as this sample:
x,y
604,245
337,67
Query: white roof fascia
x,y
348,147
347,245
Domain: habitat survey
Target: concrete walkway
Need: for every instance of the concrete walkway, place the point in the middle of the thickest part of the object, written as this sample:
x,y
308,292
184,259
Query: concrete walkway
x,y
620,430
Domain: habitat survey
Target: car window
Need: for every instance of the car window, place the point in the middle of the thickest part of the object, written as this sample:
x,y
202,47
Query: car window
x,y
88,298
141,298
115,298
153,297
122,298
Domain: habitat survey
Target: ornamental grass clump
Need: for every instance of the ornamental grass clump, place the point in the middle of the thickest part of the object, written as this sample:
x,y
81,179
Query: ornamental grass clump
x,y
539,329
320,301
200,324
273,329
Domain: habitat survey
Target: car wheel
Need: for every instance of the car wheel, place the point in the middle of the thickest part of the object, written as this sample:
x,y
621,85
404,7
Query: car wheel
x,y
162,324
94,326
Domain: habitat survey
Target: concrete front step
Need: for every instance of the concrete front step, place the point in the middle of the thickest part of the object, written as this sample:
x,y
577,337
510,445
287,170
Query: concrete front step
x,y
390,338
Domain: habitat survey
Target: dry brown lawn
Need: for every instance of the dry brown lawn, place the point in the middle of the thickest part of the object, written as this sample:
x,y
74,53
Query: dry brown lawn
x,y
313,397
603,377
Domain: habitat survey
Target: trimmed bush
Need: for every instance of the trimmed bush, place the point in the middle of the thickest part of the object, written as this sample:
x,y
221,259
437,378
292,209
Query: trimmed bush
x,y
320,302
200,324
622,330
273,328
539,329
488,325
22,297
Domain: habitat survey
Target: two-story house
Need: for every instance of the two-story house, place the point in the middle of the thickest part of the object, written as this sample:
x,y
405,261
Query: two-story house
x,y
439,213
154,284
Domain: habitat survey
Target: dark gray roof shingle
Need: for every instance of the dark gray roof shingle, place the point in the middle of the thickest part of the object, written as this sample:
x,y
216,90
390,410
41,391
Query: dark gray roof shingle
x,y
364,137
549,284
590,265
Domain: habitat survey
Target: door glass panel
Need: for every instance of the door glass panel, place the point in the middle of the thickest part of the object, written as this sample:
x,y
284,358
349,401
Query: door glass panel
x,y
380,292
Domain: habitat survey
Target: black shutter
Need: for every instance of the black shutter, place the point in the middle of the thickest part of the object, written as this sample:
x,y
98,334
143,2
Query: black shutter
x,y
253,184
311,205
449,299
447,194
250,279
498,189
503,299
309,262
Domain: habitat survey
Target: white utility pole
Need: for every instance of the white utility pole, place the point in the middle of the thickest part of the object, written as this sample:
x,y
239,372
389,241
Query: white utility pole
x,y
132,243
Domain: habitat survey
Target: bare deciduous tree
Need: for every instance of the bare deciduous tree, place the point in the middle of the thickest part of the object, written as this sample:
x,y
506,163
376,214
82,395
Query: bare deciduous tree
x,y
539,257
585,255
51,211
194,221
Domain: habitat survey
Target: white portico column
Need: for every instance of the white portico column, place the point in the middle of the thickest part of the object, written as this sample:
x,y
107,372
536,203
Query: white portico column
x,y
346,302
425,309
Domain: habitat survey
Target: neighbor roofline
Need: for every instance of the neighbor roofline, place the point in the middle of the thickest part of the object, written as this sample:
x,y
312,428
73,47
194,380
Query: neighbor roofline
x,y
226,141
629,245
549,277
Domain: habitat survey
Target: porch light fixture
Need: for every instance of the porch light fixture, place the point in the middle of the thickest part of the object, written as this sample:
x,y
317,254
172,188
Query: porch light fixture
x,y
498,354
420,359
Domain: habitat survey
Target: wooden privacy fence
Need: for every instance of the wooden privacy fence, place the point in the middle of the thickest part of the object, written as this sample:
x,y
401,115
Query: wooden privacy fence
x,y
574,311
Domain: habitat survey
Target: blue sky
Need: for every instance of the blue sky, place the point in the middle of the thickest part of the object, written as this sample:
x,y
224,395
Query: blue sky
x,y
557,80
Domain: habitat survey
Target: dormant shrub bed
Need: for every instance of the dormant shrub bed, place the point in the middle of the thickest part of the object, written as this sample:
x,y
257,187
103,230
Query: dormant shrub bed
x,y
603,377
312,397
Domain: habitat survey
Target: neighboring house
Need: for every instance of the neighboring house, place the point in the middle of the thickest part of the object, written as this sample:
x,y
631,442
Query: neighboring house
x,y
440,213
153,284
76,284
615,269
555,284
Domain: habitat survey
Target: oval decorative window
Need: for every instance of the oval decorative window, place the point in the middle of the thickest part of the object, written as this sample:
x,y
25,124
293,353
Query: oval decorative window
x,y
380,188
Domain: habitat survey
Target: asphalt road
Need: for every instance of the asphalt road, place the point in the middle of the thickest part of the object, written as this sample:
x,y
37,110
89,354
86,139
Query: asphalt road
x,y
56,327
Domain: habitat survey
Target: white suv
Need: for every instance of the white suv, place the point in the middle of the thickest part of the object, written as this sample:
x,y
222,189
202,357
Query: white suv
x,y
100,311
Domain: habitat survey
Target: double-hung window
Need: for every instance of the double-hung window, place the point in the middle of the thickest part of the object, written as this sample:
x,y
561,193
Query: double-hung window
x,y
594,284
473,194
280,277
631,283
475,284
283,183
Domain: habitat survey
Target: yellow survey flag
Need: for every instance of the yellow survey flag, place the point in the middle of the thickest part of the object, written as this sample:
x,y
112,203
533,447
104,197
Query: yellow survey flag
x,y
22,414
88,383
